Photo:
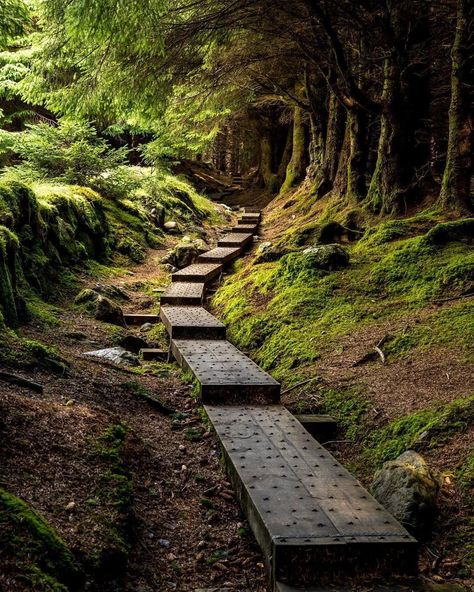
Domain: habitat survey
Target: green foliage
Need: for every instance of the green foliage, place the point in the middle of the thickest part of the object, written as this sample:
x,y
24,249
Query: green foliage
x,y
14,19
69,152
33,549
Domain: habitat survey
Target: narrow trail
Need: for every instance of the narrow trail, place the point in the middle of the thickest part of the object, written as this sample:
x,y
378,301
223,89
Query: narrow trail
x,y
314,522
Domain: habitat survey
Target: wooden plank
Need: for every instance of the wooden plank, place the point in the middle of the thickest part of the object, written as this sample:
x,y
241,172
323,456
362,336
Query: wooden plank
x,y
149,354
220,255
197,272
413,586
191,322
183,293
315,522
245,229
139,318
321,427
248,219
224,373
235,240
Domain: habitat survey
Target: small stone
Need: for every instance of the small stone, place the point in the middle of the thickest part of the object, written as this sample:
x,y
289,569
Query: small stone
x,y
164,543
184,468
182,448
146,327
70,403
171,556
171,225
71,506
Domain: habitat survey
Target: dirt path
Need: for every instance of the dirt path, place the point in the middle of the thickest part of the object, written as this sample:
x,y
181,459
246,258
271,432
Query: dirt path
x,y
184,529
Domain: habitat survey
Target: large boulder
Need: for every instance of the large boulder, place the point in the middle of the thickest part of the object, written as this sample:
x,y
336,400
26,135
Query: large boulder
x,y
328,257
408,489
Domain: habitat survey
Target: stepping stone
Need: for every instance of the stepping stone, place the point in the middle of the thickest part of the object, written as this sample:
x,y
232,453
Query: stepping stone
x,y
183,293
191,322
154,355
220,255
314,521
235,239
197,272
245,228
140,319
249,210
224,373
321,427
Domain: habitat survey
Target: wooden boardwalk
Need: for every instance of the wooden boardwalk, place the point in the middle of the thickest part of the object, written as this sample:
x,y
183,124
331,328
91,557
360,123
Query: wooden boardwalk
x,y
314,522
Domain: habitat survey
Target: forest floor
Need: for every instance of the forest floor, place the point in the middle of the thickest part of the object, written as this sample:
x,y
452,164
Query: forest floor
x,y
182,528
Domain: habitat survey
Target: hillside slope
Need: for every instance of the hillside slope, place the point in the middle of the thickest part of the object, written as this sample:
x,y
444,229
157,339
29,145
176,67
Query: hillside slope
x,y
372,321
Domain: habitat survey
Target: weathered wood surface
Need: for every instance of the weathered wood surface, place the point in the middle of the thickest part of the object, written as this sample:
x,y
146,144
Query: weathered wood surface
x,y
183,293
314,521
244,229
225,374
220,255
197,272
235,239
191,322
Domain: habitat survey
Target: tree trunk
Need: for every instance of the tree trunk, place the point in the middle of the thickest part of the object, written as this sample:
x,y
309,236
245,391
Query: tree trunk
x,y
385,191
457,175
268,177
334,136
296,167
357,161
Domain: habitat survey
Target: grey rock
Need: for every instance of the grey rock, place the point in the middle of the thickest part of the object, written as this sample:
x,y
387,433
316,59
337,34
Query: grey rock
x,y
408,489
184,254
267,252
116,355
102,307
328,257
146,327
171,225
108,311
113,292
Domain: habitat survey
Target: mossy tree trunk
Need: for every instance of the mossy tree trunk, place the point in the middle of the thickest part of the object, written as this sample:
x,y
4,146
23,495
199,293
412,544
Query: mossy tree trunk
x,y
286,156
326,174
385,192
296,167
357,160
457,175
268,177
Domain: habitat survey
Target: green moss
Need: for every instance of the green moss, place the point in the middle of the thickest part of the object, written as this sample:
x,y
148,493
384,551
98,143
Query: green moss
x,y
425,428
44,356
40,556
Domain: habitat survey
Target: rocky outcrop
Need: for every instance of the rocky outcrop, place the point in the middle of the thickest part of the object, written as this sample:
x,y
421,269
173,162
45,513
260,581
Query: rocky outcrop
x,y
101,307
328,257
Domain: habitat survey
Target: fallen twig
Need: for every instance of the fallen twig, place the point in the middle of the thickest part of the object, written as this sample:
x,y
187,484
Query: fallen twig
x,y
156,403
381,354
438,300
20,381
295,386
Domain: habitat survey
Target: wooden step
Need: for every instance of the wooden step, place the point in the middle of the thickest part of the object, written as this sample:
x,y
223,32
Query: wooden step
x,y
150,354
220,255
224,373
235,239
183,293
191,322
244,228
140,319
250,210
315,522
201,273
321,427
247,219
